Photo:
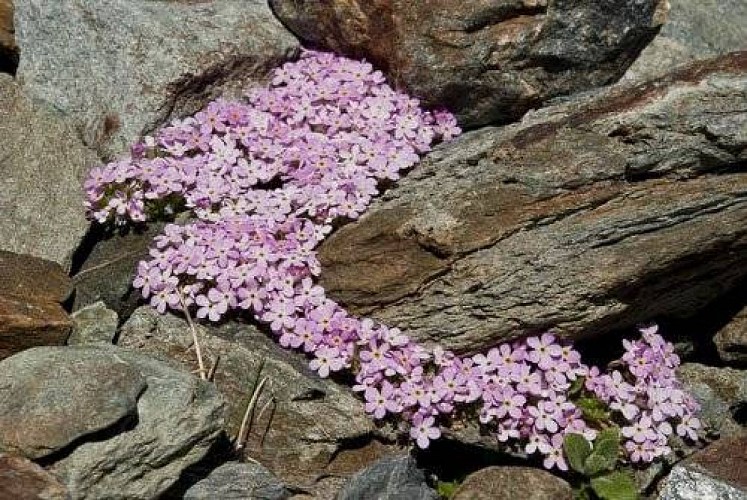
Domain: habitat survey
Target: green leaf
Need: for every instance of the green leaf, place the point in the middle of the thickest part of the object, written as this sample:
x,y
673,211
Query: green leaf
x,y
615,486
576,386
577,450
605,453
593,409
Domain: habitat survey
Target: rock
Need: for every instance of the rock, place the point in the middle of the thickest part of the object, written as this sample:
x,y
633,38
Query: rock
x,y
694,29
122,68
489,62
94,324
722,394
107,271
26,323
308,430
238,481
51,397
22,479
392,478
179,417
731,340
41,173
589,216
719,471
30,292
509,483
8,48
33,278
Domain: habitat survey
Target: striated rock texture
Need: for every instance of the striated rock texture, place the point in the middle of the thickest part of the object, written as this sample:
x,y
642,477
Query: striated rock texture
x,y
31,290
589,216
305,434
121,68
694,29
42,166
488,61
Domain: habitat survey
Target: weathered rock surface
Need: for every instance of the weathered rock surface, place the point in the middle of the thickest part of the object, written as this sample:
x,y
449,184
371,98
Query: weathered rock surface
x,y
30,292
26,323
22,479
8,48
489,62
28,277
719,471
121,68
731,340
694,29
305,433
50,397
391,478
722,394
107,271
238,481
41,172
510,483
178,418
94,324
591,215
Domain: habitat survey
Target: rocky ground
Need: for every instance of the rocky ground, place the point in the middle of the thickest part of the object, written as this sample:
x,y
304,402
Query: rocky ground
x,y
601,182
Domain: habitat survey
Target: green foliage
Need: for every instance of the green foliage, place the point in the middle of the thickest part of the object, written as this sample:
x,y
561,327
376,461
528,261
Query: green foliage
x,y
606,451
446,489
577,449
576,386
597,465
615,486
593,408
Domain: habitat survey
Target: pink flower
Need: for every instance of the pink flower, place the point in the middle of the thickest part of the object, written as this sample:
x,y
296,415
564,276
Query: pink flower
x,y
326,360
424,430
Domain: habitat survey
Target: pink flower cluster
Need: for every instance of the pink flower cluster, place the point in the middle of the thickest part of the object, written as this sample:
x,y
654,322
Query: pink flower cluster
x,y
647,397
265,179
314,144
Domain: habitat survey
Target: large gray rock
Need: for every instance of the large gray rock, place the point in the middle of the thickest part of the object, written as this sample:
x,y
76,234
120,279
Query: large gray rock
x,y
305,434
392,478
694,29
509,483
238,481
717,472
489,62
42,167
179,417
722,394
589,216
121,68
51,397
